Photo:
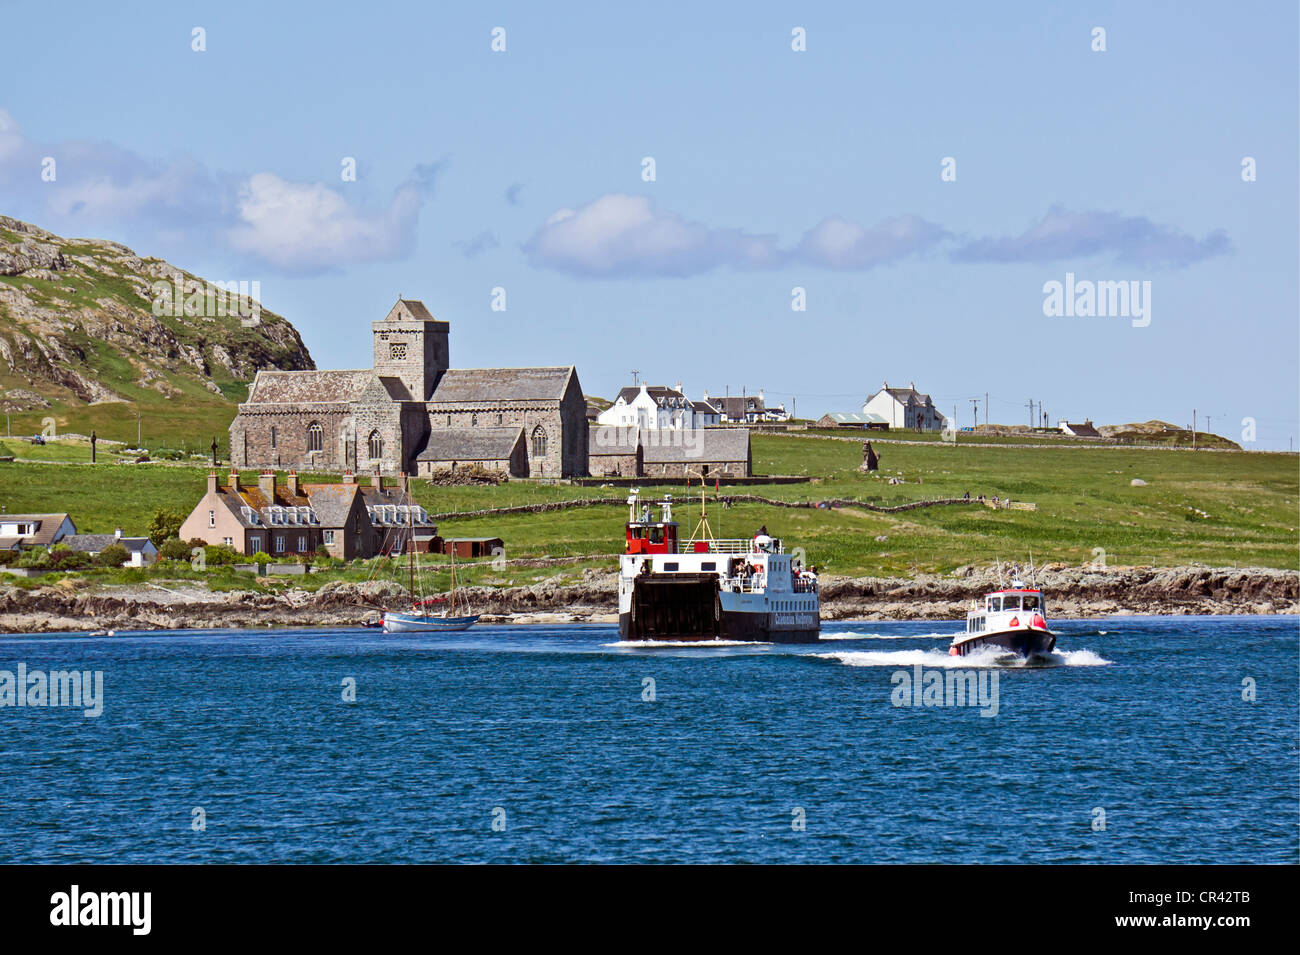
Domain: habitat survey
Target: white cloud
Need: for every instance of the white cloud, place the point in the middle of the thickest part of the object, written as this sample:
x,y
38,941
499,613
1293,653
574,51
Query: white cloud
x,y
621,235
837,243
1132,240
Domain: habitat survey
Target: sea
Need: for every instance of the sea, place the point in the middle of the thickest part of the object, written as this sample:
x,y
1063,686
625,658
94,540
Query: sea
x,y
1140,740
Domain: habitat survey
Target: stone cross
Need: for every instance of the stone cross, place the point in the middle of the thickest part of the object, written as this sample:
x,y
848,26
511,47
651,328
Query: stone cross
x,y
214,451
93,438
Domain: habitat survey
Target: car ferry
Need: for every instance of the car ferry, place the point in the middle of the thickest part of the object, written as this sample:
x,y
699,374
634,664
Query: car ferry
x,y
1014,619
709,588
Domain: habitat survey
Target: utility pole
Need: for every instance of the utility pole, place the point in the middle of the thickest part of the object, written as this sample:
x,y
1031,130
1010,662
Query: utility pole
x,y
635,372
1031,414
137,429
1193,429
986,409
975,411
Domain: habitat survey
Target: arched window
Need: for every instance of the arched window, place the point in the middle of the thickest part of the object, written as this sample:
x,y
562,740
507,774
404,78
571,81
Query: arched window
x,y
315,436
473,421
376,444
539,442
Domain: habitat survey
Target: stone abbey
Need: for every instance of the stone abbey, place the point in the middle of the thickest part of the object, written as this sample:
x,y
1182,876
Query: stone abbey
x,y
410,413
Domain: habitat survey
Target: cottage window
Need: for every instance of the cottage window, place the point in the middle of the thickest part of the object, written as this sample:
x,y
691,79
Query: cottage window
x,y
329,537
376,444
212,518
255,544
302,542
539,442
279,543
315,436
228,541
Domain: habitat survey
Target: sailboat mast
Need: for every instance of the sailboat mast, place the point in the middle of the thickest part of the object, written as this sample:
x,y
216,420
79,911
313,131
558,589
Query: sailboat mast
x,y
410,545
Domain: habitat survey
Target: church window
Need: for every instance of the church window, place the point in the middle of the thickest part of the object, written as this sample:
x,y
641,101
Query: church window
x,y
449,421
498,419
539,442
315,436
473,421
274,435
376,444
397,351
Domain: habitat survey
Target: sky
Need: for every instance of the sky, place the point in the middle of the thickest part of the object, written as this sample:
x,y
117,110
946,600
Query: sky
x,y
921,172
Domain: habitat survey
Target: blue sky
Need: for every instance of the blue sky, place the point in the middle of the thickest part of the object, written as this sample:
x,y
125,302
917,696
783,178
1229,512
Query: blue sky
x,y
775,169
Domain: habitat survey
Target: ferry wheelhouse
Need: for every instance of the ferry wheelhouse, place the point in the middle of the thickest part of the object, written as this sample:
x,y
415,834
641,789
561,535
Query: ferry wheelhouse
x,y
1014,619
708,588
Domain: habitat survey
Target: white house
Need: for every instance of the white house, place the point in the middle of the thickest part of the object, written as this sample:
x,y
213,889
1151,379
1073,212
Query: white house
x,y
651,407
33,530
905,408
141,550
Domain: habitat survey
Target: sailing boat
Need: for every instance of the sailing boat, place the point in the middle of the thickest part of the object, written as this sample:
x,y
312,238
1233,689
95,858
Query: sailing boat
x,y
421,618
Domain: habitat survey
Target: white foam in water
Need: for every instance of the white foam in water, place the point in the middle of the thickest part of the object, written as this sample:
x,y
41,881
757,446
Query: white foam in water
x,y
982,657
680,644
847,635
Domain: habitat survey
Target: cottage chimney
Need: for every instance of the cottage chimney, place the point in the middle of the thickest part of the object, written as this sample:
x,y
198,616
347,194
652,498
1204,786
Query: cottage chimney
x,y
912,385
377,480
117,534
760,395
405,481
292,483
706,395
679,387
212,482
349,477
266,484
234,480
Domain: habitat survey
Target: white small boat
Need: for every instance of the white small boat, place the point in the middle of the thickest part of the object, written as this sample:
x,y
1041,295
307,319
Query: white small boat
x,y
1014,619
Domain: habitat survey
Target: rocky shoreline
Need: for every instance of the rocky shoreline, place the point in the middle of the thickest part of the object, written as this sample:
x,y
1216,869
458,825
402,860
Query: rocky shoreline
x,y
1072,593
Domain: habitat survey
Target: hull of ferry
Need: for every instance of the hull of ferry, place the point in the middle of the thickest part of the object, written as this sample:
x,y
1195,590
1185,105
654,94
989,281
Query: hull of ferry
x,y
689,608
1022,641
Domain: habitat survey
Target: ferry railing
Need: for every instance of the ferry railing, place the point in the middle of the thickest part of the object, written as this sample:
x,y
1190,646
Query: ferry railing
x,y
729,546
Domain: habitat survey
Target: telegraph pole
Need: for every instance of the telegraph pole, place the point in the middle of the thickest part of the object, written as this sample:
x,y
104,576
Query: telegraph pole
x,y
986,409
635,372
1193,429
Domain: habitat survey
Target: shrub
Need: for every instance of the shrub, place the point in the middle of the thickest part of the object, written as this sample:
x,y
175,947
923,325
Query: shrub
x,y
174,549
166,523
114,555
262,558
217,556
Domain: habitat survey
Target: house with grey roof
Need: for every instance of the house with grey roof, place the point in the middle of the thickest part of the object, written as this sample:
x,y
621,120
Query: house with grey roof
x,y
140,550
289,518
905,408
384,417
745,408
655,406
711,453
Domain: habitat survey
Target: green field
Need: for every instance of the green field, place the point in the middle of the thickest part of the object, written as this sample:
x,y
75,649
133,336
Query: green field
x,y
1214,508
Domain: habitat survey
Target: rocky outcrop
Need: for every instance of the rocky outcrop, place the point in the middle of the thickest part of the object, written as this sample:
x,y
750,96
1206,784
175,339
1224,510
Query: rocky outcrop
x,y
87,320
1072,592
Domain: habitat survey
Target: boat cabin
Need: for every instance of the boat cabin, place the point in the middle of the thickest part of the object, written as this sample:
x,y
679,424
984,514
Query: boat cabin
x,y
645,534
1005,601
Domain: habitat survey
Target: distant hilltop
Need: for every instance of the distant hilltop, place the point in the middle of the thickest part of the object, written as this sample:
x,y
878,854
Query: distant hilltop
x,y
87,321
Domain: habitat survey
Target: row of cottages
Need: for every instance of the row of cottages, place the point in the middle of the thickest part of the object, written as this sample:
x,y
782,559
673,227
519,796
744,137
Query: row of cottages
x,y
20,531
652,407
406,412
642,452
748,409
348,519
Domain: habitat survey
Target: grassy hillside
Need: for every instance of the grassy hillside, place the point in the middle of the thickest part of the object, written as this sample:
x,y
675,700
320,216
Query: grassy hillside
x,y
92,335
1212,508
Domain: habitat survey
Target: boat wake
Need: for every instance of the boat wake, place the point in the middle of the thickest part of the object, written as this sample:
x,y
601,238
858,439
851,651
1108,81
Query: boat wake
x,y
682,644
981,657
847,635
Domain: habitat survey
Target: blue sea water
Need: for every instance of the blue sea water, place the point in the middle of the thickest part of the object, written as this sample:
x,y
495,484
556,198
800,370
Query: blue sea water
x,y
546,732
